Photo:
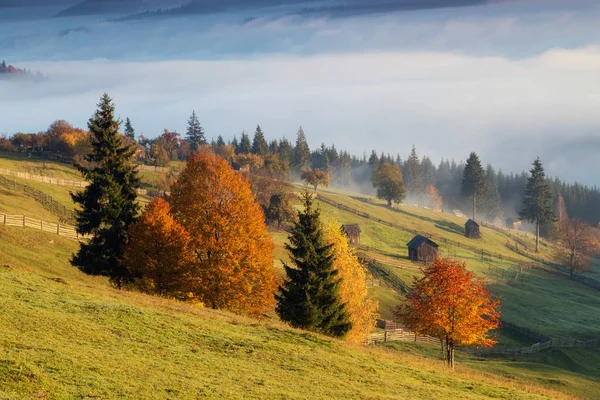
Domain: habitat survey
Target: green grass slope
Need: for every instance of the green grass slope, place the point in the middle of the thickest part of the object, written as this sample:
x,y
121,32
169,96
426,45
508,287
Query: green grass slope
x,y
65,335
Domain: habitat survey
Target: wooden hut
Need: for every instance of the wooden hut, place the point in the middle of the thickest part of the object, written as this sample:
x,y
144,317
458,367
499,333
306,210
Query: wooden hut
x,y
472,230
353,233
422,249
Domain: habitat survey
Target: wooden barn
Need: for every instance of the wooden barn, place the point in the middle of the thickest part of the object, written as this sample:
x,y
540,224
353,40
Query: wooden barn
x,y
353,233
472,230
422,249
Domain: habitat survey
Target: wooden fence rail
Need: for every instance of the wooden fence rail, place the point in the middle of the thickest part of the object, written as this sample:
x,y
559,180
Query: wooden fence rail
x,y
47,201
67,231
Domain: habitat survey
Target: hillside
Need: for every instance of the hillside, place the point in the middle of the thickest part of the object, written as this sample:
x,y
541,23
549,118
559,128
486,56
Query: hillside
x,y
537,298
66,335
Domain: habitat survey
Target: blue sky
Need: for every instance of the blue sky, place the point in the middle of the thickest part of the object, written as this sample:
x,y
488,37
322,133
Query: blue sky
x,y
510,81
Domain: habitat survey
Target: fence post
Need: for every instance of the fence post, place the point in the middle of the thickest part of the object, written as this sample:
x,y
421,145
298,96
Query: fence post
x,y
58,229
23,220
385,336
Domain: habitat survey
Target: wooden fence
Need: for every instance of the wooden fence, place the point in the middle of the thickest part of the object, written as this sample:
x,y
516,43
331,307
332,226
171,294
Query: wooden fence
x,y
67,231
47,201
41,178
70,183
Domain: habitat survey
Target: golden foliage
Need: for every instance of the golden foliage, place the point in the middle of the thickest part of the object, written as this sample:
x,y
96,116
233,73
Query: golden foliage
x,y
353,285
157,254
233,252
434,199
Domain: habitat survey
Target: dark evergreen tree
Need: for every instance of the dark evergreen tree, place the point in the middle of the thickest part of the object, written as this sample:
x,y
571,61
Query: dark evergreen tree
x,y
245,147
374,161
412,175
108,203
309,299
286,153
493,202
220,141
129,131
428,172
537,200
301,152
234,143
195,132
473,182
259,143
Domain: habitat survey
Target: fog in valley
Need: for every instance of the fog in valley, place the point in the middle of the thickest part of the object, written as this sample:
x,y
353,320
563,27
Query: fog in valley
x,y
510,80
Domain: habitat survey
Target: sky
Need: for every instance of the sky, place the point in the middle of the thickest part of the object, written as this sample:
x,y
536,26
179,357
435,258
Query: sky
x,y
509,80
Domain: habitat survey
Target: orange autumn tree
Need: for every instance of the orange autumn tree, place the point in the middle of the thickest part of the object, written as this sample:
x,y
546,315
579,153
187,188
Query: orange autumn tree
x,y
157,253
448,302
353,284
233,252
434,200
315,177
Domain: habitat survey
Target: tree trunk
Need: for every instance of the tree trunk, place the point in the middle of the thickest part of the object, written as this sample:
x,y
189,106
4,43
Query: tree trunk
x,y
315,188
537,237
474,202
450,354
443,350
389,203
572,265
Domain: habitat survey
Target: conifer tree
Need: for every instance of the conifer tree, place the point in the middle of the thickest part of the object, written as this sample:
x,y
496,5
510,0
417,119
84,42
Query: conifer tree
x,y
412,177
245,147
493,201
473,182
129,131
310,299
220,141
195,133
301,152
234,143
260,146
108,203
537,200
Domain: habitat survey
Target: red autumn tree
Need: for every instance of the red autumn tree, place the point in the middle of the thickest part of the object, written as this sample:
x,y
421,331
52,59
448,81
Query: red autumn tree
x,y
233,252
448,302
158,254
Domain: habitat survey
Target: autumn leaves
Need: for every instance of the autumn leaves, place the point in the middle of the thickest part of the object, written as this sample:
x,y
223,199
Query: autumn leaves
x,y
209,242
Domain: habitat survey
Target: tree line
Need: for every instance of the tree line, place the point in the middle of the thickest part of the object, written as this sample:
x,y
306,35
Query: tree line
x,y
436,186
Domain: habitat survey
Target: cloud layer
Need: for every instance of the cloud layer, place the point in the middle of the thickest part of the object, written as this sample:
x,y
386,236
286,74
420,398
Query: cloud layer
x,y
506,81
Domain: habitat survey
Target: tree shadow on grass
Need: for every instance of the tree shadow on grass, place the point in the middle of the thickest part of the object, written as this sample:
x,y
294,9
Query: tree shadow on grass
x,y
450,227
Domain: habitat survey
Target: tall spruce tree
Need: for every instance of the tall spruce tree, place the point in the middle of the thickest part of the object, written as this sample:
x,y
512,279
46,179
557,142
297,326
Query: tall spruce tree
x,y
309,299
245,147
413,177
195,132
129,131
537,200
108,203
473,182
301,152
260,146
493,201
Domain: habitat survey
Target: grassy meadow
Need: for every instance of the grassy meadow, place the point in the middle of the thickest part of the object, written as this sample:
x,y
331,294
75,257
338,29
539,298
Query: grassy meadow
x,y
64,334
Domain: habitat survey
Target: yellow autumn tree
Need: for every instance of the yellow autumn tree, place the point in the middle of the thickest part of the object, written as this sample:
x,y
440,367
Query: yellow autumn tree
x,y
353,285
158,254
233,252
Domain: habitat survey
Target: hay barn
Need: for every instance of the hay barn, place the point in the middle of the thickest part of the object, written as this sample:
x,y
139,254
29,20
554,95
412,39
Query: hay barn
x,y
353,232
472,230
422,249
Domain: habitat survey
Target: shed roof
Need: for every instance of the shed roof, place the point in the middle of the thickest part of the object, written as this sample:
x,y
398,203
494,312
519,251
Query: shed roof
x,y
351,228
419,240
471,222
